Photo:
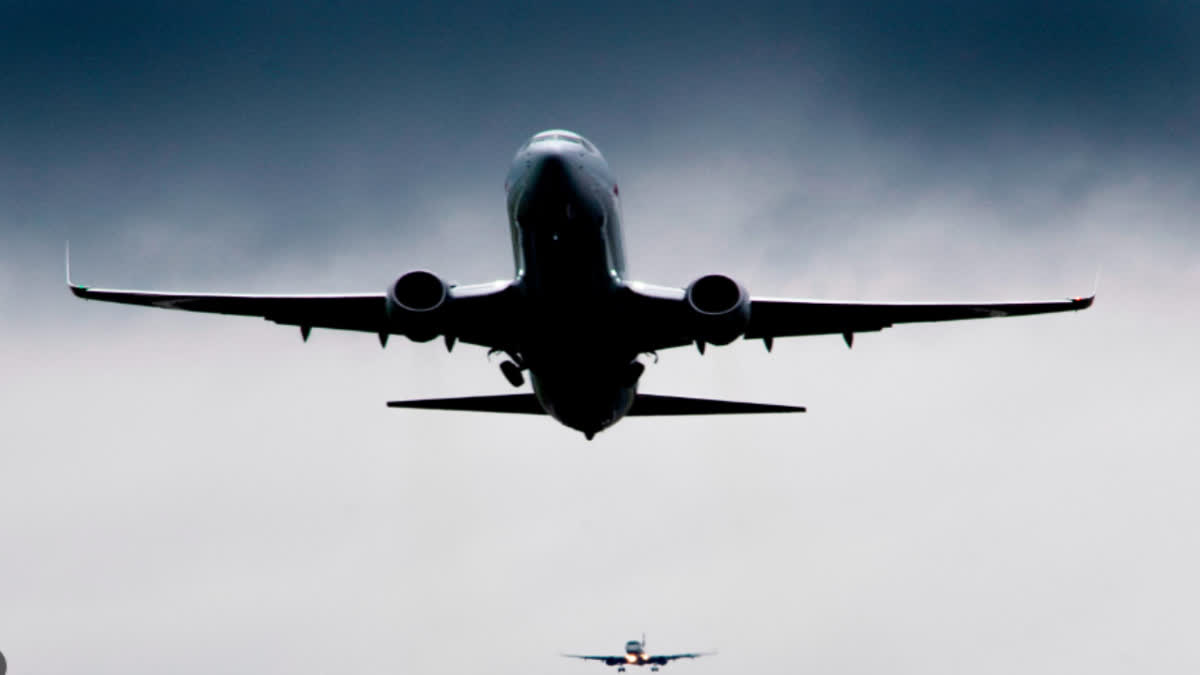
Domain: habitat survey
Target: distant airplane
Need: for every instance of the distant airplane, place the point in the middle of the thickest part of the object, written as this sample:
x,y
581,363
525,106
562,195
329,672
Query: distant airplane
x,y
570,316
635,655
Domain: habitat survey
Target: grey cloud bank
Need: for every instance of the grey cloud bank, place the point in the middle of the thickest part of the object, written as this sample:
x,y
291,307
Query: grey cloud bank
x,y
182,493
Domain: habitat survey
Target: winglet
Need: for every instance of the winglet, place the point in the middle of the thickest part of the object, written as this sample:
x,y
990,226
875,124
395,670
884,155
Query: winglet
x,y
1085,302
79,291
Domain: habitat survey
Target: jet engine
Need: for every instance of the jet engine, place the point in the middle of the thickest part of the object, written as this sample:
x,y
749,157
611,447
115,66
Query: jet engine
x,y
415,303
720,308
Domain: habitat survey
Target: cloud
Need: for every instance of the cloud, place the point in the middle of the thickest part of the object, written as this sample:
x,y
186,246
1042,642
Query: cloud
x,y
181,491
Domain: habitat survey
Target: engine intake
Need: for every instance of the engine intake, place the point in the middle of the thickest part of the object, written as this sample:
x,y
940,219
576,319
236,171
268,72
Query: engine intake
x,y
720,308
414,304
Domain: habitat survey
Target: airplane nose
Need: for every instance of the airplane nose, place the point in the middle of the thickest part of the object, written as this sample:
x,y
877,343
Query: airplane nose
x,y
558,193
550,173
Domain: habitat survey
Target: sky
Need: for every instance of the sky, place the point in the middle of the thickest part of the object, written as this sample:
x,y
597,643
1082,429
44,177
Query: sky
x,y
186,493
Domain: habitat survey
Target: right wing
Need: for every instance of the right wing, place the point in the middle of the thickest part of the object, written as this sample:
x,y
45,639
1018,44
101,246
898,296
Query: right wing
x,y
475,314
608,660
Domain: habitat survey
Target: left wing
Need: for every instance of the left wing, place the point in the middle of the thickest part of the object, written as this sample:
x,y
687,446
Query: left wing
x,y
662,659
664,320
474,314
770,317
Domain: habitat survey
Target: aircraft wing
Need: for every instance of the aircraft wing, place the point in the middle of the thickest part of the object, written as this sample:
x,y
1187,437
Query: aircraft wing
x,y
476,314
662,659
770,317
664,320
609,660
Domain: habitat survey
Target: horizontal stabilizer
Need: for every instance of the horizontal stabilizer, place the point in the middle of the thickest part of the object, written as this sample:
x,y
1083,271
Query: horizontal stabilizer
x,y
652,404
644,405
526,404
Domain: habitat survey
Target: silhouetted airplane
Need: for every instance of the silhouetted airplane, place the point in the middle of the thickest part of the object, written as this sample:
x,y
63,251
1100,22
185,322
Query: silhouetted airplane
x,y
570,316
635,655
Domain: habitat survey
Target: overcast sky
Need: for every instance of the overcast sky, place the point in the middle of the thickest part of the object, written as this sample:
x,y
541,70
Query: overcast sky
x,y
191,494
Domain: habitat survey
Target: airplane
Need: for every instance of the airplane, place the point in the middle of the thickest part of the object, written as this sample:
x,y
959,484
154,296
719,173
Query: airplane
x,y
570,316
635,655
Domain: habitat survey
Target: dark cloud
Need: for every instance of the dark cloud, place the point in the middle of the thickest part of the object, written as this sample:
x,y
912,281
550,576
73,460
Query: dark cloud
x,y
293,111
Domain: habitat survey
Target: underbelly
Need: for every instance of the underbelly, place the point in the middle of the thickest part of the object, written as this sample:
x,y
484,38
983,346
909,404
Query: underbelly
x,y
586,398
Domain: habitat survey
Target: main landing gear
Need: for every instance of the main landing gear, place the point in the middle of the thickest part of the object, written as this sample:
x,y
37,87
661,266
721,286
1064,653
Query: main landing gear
x,y
654,669
621,669
512,373
512,368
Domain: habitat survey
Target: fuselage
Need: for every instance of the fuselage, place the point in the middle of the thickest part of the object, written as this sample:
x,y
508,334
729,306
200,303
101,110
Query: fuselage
x,y
564,214
635,653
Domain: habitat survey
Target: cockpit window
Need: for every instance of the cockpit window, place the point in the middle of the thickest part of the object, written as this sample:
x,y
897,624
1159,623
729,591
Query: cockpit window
x,y
577,140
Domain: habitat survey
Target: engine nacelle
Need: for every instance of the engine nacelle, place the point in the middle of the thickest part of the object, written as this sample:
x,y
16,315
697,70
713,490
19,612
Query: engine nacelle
x,y
415,304
720,308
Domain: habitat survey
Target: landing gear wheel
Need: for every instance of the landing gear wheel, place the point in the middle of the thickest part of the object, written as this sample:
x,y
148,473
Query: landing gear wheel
x,y
512,373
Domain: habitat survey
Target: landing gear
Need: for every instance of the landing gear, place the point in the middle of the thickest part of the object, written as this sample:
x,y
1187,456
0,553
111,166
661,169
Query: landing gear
x,y
512,373
621,669
654,669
